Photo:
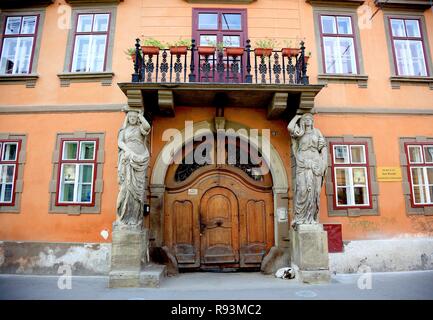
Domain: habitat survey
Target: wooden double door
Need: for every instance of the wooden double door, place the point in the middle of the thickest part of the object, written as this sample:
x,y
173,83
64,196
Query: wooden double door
x,y
219,220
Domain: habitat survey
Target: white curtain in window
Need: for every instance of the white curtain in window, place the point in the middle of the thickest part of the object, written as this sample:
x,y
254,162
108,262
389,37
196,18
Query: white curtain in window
x,y
410,58
339,55
89,53
16,55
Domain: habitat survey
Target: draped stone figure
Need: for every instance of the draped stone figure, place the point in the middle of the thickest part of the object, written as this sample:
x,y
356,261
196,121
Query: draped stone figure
x,y
310,151
132,166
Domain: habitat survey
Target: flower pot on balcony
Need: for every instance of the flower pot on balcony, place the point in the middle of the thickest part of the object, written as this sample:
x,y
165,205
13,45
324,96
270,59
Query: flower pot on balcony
x,y
267,52
133,57
234,51
291,52
178,50
206,50
150,50
306,59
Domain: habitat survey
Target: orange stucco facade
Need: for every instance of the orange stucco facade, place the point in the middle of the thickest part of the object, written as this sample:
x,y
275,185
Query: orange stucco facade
x,y
382,113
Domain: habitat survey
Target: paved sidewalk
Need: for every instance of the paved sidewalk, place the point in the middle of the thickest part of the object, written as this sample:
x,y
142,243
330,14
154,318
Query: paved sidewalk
x,y
231,286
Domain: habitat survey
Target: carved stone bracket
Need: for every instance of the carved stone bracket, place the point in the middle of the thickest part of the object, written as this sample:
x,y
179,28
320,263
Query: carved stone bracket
x,y
278,105
135,99
166,102
306,102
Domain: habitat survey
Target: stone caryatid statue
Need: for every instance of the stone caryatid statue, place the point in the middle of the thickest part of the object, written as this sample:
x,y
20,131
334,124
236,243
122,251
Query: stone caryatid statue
x,y
310,151
132,166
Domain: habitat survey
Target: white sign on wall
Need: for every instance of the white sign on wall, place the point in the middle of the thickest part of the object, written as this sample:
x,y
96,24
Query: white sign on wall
x,y
282,214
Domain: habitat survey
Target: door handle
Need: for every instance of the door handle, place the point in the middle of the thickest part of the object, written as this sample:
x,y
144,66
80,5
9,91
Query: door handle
x,y
202,225
202,228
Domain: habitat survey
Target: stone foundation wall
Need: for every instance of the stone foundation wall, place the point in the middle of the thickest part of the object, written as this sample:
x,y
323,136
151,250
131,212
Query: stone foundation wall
x,y
46,257
94,258
384,255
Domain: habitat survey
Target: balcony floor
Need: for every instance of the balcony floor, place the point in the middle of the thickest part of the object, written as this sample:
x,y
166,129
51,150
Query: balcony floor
x,y
162,98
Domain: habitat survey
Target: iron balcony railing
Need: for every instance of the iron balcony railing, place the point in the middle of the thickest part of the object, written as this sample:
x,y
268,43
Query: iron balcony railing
x,y
208,64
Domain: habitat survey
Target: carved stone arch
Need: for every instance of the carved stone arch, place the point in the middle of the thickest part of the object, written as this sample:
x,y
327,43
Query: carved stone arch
x,y
273,161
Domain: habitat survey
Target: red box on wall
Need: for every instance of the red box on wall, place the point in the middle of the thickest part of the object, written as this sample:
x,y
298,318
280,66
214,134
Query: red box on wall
x,y
335,237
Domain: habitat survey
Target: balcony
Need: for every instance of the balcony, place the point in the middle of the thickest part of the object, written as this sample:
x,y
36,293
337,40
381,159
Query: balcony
x,y
226,77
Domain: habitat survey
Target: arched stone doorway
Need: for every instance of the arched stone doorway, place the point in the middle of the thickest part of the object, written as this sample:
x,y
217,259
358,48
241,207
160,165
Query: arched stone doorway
x,y
271,195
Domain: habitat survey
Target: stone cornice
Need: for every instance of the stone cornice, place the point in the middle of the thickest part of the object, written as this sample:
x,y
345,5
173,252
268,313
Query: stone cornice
x,y
336,3
221,1
92,2
9,109
404,4
14,4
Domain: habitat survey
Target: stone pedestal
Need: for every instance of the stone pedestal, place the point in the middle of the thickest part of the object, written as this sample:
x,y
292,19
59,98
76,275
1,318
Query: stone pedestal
x,y
310,253
128,256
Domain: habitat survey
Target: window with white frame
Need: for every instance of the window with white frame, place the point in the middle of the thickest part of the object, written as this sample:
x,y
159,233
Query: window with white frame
x,y
420,159
408,47
90,42
338,42
19,38
8,170
350,175
77,171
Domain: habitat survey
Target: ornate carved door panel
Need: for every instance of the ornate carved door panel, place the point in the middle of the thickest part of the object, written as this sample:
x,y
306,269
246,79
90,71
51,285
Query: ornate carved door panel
x,y
219,227
183,231
219,218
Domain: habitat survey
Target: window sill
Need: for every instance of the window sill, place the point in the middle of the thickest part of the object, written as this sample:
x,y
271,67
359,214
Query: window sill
x,y
75,209
104,77
28,79
360,79
91,2
396,81
426,210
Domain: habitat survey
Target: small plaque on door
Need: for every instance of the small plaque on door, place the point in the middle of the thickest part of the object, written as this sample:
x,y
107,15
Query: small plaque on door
x,y
192,192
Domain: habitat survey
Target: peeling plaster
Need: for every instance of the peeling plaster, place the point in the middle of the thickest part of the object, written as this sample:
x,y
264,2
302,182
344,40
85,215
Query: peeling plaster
x,y
2,255
403,254
45,258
